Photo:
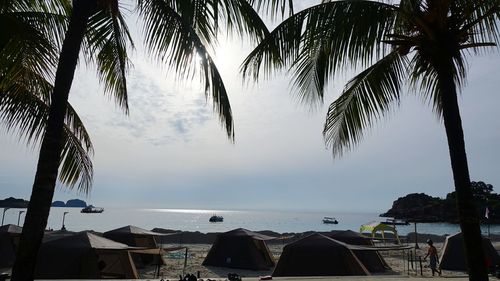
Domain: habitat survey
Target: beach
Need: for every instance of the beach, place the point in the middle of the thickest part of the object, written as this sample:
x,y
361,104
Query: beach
x,y
197,252
193,247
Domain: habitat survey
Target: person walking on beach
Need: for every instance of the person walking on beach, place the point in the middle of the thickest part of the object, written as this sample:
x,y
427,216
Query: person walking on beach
x,y
433,257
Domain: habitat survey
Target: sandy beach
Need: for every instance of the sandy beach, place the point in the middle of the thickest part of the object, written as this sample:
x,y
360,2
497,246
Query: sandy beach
x,y
179,264
198,252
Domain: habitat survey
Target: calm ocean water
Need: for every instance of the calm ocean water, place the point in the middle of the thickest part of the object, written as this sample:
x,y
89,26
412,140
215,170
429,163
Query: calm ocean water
x,y
197,220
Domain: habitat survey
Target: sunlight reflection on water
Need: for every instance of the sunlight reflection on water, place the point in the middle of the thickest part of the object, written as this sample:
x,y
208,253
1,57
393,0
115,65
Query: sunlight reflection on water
x,y
197,220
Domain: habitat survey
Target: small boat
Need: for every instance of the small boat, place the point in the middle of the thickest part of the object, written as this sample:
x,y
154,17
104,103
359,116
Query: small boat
x,y
91,209
395,222
330,220
216,218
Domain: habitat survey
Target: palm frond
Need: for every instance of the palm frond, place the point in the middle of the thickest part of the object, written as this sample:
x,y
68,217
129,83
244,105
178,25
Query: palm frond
x,y
406,16
477,20
76,168
341,33
365,98
106,43
173,40
27,114
35,30
310,74
424,78
274,7
241,17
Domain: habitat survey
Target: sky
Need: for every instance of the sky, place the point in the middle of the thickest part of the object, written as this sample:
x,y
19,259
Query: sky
x,y
171,152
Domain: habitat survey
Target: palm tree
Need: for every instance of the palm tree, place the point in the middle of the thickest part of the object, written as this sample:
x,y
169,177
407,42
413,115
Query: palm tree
x,y
27,56
174,32
426,42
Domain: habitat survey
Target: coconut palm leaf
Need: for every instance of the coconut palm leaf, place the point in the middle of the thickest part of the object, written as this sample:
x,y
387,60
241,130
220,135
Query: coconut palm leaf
x,y
327,38
27,114
274,7
240,17
173,39
477,20
106,43
76,168
365,98
34,33
28,55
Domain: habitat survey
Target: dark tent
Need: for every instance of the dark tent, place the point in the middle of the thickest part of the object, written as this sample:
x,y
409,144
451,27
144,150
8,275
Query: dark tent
x,y
350,237
372,260
318,255
137,237
240,248
453,256
84,256
9,239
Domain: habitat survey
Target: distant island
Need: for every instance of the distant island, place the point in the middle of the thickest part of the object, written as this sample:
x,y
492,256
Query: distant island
x,y
12,202
421,207
72,203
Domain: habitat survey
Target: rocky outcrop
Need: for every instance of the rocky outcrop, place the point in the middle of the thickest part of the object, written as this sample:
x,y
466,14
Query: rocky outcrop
x,y
73,203
58,204
76,203
12,202
419,207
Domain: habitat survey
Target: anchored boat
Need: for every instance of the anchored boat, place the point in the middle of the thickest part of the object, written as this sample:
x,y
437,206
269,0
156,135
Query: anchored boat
x,y
216,218
395,222
92,209
330,220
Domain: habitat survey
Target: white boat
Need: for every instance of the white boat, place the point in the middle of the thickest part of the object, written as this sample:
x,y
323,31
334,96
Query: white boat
x,y
330,220
91,209
395,222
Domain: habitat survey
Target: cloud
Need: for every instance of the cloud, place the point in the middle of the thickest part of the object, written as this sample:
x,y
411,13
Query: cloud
x,y
161,111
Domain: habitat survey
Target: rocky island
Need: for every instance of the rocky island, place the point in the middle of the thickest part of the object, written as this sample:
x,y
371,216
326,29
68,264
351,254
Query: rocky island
x,y
72,203
421,207
12,202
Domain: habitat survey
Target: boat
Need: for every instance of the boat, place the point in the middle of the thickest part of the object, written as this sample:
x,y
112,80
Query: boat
x,y
330,220
216,218
91,209
395,222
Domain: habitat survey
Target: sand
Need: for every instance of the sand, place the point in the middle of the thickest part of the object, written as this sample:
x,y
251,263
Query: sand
x,y
197,253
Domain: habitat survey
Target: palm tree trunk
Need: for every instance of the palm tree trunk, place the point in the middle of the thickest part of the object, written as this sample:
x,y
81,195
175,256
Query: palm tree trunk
x,y
467,211
51,148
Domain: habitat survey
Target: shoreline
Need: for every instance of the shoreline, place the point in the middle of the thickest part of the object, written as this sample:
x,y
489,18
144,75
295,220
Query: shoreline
x,y
196,237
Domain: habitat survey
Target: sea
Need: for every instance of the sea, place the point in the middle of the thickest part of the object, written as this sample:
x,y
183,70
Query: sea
x,y
197,220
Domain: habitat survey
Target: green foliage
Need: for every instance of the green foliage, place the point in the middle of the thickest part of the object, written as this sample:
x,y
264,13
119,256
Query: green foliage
x,y
422,207
28,58
390,39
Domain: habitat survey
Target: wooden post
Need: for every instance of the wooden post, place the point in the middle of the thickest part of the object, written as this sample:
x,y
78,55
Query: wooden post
x,y
416,237
185,262
421,270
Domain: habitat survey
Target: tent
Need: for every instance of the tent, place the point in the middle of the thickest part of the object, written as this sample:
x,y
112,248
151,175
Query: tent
x,y
135,236
372,260
318,255
240,248
9,239
453,256
374,227
82,256
138,237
